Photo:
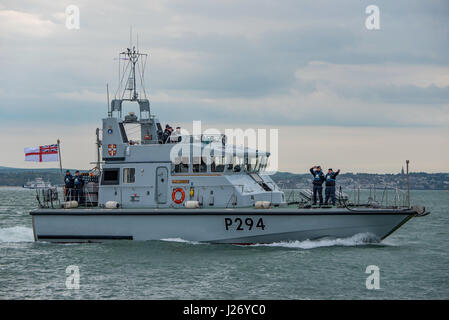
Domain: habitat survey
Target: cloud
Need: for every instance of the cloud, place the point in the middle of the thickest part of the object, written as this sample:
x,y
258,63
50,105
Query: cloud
x,y
423,85
374,74
22,24
84,95
324,107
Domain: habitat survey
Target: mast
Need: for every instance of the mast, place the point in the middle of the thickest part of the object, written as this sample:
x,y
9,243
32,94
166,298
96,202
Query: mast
x,y
133,69
97,132
107,93
60,159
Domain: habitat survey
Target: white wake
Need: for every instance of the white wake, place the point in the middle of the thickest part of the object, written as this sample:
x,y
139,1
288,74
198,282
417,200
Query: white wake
x,y
181,241
356,240
16,234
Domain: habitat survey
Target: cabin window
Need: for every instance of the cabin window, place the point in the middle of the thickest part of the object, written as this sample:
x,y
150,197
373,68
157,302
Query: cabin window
x,y
181,167
237,164
217,164
181,164
258,161
252,164
199,164
199,167
129,175
110,177
204,163
263,163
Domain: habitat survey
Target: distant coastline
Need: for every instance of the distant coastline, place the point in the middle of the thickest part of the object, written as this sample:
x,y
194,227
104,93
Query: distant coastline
x,y
417,180
10,177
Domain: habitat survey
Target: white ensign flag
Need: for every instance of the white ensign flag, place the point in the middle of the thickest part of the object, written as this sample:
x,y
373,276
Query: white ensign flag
x,y
42,153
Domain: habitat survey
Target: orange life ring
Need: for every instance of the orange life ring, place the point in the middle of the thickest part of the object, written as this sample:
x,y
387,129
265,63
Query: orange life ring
x,y
183,195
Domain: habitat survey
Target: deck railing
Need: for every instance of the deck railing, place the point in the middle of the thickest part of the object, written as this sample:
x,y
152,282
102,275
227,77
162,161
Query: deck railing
x,y
386,196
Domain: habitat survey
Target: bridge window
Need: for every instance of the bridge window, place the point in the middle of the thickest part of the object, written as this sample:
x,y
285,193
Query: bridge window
x,y
263,163
217,164
129,175
181,164
236,165
199,165
182,167
110,177
251,164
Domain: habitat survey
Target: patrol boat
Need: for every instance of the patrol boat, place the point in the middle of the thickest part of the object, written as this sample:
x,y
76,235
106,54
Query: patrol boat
x,y
151,189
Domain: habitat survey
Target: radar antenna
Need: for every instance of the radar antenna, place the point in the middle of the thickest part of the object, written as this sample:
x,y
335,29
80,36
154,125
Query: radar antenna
x,y
133,68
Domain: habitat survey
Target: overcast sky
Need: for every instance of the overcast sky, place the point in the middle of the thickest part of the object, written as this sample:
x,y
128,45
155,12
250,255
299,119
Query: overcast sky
x,y
341,95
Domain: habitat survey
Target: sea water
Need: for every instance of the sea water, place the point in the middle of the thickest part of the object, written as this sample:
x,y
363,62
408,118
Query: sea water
x,y
413,263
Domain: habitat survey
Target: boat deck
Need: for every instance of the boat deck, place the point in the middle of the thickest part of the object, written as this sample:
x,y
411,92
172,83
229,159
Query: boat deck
x,y
227,211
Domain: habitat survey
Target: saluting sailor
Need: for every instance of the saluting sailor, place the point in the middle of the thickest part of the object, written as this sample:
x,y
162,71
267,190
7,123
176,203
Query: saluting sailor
x,y
318,179
330,185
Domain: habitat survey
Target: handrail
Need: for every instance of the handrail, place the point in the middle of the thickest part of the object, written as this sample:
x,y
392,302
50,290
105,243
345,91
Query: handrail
x,y
49,197
396,201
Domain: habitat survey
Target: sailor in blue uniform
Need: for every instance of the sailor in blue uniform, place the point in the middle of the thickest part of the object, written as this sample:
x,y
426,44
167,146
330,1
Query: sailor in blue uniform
x,y
318,179
68,182
330,185
166,135
78,184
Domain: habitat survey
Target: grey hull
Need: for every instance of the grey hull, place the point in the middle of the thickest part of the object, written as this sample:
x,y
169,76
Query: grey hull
x,y
215,226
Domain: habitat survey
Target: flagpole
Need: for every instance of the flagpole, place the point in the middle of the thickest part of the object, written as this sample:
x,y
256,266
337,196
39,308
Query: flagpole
x,y
60,159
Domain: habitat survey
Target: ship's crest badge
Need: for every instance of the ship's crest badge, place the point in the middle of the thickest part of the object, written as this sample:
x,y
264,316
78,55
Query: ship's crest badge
x,y
112,149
